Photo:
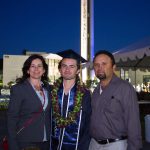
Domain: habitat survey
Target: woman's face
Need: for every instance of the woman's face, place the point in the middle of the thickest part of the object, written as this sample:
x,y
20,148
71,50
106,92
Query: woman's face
x,y
36,69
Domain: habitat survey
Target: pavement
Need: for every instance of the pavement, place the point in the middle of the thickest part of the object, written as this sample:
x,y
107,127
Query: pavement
x,y
3,131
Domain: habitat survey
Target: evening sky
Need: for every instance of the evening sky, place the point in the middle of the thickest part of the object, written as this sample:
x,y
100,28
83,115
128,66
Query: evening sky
x,y
54,25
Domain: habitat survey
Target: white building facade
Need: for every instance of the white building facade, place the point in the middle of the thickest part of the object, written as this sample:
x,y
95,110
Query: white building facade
x,y
12,67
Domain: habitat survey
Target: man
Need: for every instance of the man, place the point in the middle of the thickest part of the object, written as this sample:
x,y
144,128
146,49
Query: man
x,y
115,123
71,103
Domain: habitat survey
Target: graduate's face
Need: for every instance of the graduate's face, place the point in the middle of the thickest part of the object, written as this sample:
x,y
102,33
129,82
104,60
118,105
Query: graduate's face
x,y
68,69
103,67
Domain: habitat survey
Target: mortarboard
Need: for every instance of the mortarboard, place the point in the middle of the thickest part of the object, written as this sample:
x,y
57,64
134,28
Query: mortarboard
x,y
71,54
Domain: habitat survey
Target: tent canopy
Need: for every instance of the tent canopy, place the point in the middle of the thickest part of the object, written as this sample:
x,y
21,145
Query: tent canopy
x,y
134,56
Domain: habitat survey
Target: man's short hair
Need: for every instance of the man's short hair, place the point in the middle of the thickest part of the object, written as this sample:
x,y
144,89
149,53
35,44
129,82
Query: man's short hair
x,y
110,55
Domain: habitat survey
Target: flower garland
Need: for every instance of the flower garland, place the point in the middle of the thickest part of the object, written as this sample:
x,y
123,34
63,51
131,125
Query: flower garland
x,y
71,118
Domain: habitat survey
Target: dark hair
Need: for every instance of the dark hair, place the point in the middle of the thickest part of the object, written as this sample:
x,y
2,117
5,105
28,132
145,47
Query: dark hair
x,y
27,65
78,63
110,55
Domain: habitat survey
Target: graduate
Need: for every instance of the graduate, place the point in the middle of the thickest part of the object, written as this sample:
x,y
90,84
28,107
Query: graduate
x,y
71,106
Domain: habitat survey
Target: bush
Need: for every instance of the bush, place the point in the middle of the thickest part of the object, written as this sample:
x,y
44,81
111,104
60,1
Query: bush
x,y
4,105
91,83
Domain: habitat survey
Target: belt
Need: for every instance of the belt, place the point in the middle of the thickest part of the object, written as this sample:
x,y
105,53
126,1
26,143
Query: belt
x,y
107,141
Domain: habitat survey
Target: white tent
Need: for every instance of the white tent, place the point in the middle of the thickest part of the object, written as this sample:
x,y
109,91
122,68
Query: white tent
x,y
139,58
134,56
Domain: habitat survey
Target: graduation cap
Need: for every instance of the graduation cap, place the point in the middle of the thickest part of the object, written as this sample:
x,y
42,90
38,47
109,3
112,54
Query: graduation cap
x,y
72,54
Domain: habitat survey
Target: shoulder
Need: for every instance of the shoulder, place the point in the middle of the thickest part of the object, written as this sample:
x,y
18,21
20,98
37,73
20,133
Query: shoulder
x,y
123,85
18,90
87,94
47,85
87,91
18,86
118,81
23,86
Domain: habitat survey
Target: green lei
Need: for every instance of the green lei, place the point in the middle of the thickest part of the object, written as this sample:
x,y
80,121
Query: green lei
x,y
71,118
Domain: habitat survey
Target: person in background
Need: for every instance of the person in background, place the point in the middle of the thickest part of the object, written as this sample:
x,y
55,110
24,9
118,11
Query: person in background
x,y
115,123
71,104
29,107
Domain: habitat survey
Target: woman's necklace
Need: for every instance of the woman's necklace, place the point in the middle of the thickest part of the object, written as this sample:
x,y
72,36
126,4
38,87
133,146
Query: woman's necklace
x,y
71,118
38,88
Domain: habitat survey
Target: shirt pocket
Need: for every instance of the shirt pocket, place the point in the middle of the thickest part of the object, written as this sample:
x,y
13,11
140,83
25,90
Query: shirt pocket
x,y
113,105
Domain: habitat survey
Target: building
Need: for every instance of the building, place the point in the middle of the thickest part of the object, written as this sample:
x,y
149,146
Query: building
x,y
12,66
1,69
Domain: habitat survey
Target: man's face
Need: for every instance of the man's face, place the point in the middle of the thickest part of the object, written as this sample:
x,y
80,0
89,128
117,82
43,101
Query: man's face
x,y
103,67
68,69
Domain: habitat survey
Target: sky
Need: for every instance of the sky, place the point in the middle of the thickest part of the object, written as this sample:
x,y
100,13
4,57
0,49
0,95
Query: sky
x,y
54,25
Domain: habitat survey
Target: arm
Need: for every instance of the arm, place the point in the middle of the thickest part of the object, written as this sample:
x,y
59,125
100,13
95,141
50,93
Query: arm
x,y
132,119
84,134
13,117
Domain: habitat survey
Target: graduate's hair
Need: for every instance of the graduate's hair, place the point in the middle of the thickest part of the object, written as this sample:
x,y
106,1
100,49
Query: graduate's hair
x,y
78,63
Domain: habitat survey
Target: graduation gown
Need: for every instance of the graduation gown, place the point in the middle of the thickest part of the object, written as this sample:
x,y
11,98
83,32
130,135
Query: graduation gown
x,y
76,135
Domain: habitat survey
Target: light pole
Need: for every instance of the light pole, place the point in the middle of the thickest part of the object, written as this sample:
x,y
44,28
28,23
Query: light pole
x,y
87,35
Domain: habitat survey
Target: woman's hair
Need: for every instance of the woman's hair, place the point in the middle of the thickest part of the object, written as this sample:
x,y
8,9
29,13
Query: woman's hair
x,y
27,65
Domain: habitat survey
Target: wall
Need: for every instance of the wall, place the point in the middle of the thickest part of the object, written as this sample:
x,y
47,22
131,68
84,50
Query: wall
x,y
12,67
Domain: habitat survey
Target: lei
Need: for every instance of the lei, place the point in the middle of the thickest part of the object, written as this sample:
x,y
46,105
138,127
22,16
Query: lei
x,y
71,118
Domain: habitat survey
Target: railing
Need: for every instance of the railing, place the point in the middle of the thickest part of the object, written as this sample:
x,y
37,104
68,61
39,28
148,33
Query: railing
x,y
144,102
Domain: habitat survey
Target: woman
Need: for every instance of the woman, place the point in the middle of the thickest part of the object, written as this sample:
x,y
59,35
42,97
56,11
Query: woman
x,y
29,107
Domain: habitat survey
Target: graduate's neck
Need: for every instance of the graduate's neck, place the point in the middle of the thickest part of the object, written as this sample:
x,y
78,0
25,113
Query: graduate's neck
x,y
68,84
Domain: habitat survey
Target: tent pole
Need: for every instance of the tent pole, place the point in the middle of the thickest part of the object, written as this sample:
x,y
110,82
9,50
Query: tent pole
x,y
136,65
135,78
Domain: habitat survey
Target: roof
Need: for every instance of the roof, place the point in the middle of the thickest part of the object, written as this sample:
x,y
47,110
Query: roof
x,y
135,55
